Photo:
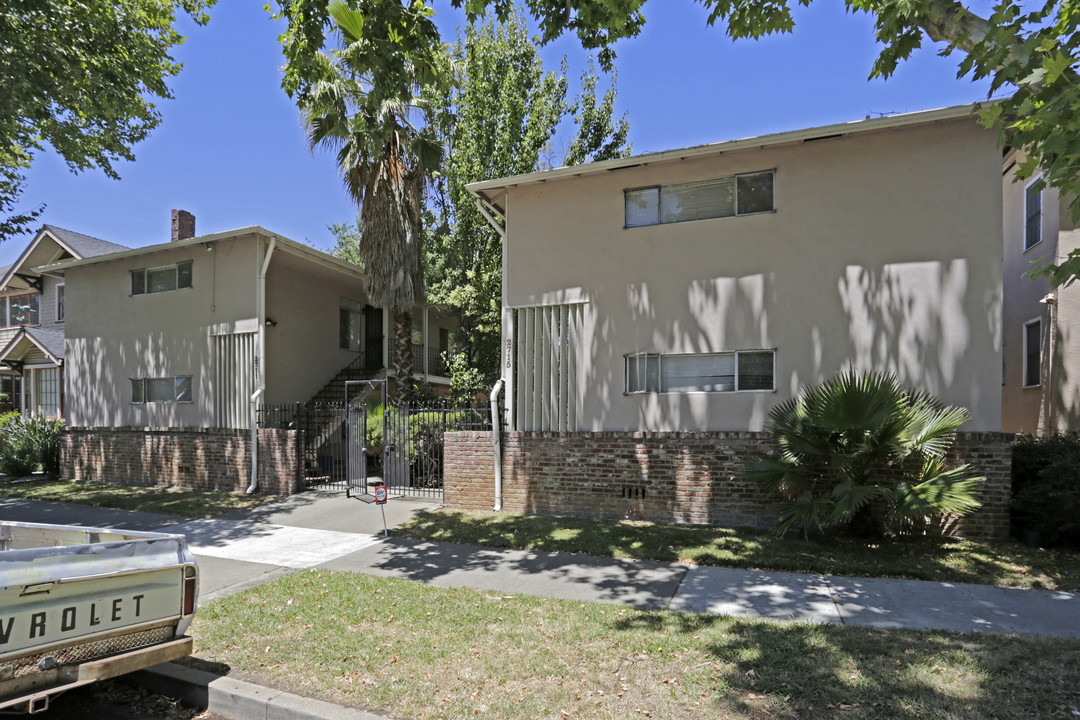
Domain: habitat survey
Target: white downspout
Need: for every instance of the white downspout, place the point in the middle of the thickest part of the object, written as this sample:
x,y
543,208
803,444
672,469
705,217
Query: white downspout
x,y
260,362
495,426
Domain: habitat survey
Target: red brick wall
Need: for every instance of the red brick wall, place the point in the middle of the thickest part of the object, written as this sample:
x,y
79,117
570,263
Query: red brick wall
x,y
192,458
663,477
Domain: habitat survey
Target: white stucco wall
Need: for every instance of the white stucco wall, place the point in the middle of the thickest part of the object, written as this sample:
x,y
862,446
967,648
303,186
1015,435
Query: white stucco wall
x,y
112,336
884,252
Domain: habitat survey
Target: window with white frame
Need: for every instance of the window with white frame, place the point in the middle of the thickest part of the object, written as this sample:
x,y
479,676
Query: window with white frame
x,y
737,371
176,389
166,278
745,194
1033,353
60,302
46,392
1032,215
19,310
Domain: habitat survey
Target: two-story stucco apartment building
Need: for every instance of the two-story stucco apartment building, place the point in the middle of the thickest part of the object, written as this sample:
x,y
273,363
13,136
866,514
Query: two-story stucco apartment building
x,y
657,307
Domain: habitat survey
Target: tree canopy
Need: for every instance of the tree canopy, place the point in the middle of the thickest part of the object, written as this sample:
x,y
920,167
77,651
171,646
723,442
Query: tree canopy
x,y
1032,51
81,76
499,118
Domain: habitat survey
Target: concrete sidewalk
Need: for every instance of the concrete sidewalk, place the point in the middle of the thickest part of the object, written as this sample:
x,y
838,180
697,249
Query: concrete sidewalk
x,y
326,530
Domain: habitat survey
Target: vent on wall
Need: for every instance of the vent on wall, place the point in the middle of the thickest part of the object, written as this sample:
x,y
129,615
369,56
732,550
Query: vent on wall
x,y
633,493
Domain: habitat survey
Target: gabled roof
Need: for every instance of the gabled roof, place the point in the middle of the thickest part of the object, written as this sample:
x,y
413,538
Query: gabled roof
x,y
50,342
283,243
492,191
83,246
71,243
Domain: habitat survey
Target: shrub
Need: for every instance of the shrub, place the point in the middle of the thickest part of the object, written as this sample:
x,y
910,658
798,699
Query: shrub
x,y
1046,488
29,443
860,451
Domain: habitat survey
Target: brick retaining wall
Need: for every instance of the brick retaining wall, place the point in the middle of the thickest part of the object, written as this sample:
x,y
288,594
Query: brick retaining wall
x,y
191,458
664,477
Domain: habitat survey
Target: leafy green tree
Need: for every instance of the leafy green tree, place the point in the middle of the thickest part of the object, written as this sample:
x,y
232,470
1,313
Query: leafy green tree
x,y
859,450
363,101
498,119
347,239
82,77
1031,50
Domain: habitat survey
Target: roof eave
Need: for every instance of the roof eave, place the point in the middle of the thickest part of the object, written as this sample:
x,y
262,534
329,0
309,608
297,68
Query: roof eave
x,y
483,189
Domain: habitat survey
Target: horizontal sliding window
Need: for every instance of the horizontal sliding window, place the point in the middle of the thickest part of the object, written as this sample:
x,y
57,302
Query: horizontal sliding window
x,y
721,197
161,279
739,371
176,389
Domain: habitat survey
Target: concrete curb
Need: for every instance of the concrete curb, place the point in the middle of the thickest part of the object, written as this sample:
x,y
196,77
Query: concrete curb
x,y
237,699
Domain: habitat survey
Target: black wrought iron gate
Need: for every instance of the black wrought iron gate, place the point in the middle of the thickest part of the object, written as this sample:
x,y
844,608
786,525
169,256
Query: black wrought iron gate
x,y
357,434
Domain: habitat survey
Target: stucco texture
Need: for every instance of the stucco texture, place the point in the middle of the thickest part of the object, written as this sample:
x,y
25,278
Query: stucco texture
x,y
883,252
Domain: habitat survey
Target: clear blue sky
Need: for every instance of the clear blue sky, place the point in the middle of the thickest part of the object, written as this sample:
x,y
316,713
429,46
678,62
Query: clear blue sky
x,y
231,149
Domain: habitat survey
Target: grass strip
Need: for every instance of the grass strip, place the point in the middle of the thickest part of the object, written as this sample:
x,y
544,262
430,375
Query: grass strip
x,y
170,501
410,650
1006,563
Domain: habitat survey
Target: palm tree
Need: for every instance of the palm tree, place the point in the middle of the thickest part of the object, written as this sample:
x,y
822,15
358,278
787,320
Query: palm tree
x,y
363,106
860,450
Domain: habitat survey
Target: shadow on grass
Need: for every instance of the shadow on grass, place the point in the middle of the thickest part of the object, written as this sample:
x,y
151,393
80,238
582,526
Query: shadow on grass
x,y
781,670
938,559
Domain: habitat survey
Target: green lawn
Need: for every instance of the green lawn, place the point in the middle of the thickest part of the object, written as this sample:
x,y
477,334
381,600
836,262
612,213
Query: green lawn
x,y
171,501
943,559
410,650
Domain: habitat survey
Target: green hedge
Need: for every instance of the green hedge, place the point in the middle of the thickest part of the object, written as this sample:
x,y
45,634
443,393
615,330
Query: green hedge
x,y
1046,488
29,444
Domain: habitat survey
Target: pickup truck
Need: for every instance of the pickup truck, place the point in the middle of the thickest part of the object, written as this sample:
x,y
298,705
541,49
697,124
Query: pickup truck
x,y
83,604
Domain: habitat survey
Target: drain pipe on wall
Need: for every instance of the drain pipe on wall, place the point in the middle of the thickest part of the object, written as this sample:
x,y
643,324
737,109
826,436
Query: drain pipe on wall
x,y
260,363
495,427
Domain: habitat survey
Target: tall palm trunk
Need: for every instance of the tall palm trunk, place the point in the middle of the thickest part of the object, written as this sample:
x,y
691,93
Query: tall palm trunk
x,y
402,357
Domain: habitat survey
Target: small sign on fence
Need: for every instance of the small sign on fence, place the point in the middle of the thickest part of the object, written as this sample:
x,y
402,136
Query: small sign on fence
x,y
380,494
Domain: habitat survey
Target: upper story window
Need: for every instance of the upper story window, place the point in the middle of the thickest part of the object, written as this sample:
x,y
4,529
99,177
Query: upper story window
x,y
60,303
20,310
739,371
1032,215
1033,353
746,194
350,316
161,279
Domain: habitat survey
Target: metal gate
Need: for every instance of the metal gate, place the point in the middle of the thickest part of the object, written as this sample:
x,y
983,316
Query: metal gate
x,y
356,432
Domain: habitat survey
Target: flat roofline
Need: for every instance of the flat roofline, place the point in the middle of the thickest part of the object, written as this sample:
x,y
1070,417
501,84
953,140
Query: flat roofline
x,y
483,188
305,251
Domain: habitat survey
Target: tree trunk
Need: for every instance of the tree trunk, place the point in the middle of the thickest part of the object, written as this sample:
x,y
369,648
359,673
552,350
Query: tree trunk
x,y
401,358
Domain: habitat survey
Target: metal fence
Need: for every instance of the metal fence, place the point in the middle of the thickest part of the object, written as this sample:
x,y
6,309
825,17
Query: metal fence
x,y
404,443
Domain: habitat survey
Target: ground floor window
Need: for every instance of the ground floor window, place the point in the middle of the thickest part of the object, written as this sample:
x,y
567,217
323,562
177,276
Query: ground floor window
x,y
11,389
173,389
736,371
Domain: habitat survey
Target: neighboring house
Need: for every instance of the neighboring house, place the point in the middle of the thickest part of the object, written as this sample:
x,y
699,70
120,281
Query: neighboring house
x,y
183,334
696,289
1041,329
32,320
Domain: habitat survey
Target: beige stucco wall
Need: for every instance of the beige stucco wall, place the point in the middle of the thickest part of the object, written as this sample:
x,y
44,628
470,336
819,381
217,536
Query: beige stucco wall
x,y
302,351
1055,403
113,336
884,252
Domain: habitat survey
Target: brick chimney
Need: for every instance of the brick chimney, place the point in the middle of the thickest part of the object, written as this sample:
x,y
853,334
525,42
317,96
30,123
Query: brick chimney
x,y
183,225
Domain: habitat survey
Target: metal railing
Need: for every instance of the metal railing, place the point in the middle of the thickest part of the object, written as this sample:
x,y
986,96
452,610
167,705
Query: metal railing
x,y
409,455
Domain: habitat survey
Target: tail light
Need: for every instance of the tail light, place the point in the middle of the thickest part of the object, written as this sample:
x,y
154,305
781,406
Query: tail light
x,y
189,590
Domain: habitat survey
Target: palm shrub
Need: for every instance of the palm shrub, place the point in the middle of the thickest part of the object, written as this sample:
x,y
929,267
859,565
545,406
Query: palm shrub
x,y
18,454
861,452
